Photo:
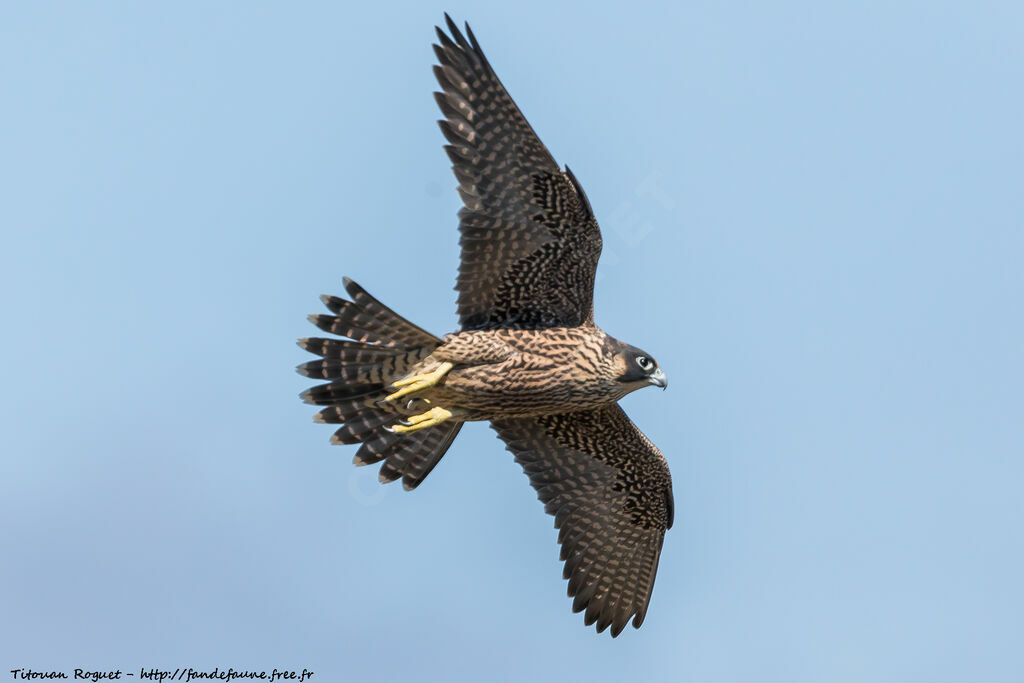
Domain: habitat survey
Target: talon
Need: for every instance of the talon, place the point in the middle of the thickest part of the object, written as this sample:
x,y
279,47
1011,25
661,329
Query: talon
x,y
412,402
430,418
410,385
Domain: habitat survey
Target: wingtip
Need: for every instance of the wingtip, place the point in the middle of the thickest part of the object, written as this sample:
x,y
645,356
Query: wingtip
x,y
453,28
354,289
472,39
450,25
442,37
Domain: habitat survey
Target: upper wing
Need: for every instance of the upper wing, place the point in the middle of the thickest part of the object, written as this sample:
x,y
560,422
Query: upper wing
x,y
610,491
530,243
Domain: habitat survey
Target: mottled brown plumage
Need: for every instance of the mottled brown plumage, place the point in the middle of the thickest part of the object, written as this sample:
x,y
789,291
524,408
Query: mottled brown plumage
x,y
528,357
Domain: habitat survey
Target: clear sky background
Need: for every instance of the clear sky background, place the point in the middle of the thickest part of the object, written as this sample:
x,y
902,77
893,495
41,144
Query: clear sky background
x,y
813,218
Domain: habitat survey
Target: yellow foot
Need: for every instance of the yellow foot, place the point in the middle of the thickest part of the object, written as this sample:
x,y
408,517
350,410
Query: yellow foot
x,y
422,421
411,385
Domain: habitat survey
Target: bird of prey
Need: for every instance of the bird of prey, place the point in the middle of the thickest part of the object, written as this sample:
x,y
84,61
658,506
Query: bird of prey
x,y
528,356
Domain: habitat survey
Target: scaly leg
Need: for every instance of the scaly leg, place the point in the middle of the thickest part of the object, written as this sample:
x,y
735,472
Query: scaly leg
x,y
430,418
411,385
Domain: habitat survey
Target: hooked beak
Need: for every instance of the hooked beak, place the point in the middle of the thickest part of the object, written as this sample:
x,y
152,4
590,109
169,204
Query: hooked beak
x,y
658,379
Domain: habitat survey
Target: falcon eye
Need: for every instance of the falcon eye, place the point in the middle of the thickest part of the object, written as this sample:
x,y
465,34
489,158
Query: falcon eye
x,y
644,362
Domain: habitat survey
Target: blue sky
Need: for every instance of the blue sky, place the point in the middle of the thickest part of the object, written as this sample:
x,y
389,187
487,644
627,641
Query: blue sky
x,y
813,217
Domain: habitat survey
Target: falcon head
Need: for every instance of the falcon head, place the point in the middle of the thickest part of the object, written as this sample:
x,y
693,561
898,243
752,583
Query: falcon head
x,y
638,369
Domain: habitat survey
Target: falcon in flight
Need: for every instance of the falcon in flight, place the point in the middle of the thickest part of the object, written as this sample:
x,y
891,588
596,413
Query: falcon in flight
x,y
528,356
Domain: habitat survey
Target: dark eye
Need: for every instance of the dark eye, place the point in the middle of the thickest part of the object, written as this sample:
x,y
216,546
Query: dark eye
x,y
644,362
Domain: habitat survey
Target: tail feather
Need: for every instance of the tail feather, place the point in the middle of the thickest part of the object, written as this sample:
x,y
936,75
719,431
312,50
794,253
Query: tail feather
x,y
349,323
409,457
401,330
348,350
375,448
342,391
381,347
364,319
375,372
360,427
413,461
334,368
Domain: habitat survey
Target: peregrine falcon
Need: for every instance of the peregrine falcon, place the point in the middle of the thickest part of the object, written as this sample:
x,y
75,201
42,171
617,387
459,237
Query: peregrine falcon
x,y
527,357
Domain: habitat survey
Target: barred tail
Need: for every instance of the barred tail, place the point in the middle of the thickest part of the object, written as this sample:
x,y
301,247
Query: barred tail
x,y
381,347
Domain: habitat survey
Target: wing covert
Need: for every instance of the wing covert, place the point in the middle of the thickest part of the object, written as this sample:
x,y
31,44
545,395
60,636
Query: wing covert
x,y
529,240
610,492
